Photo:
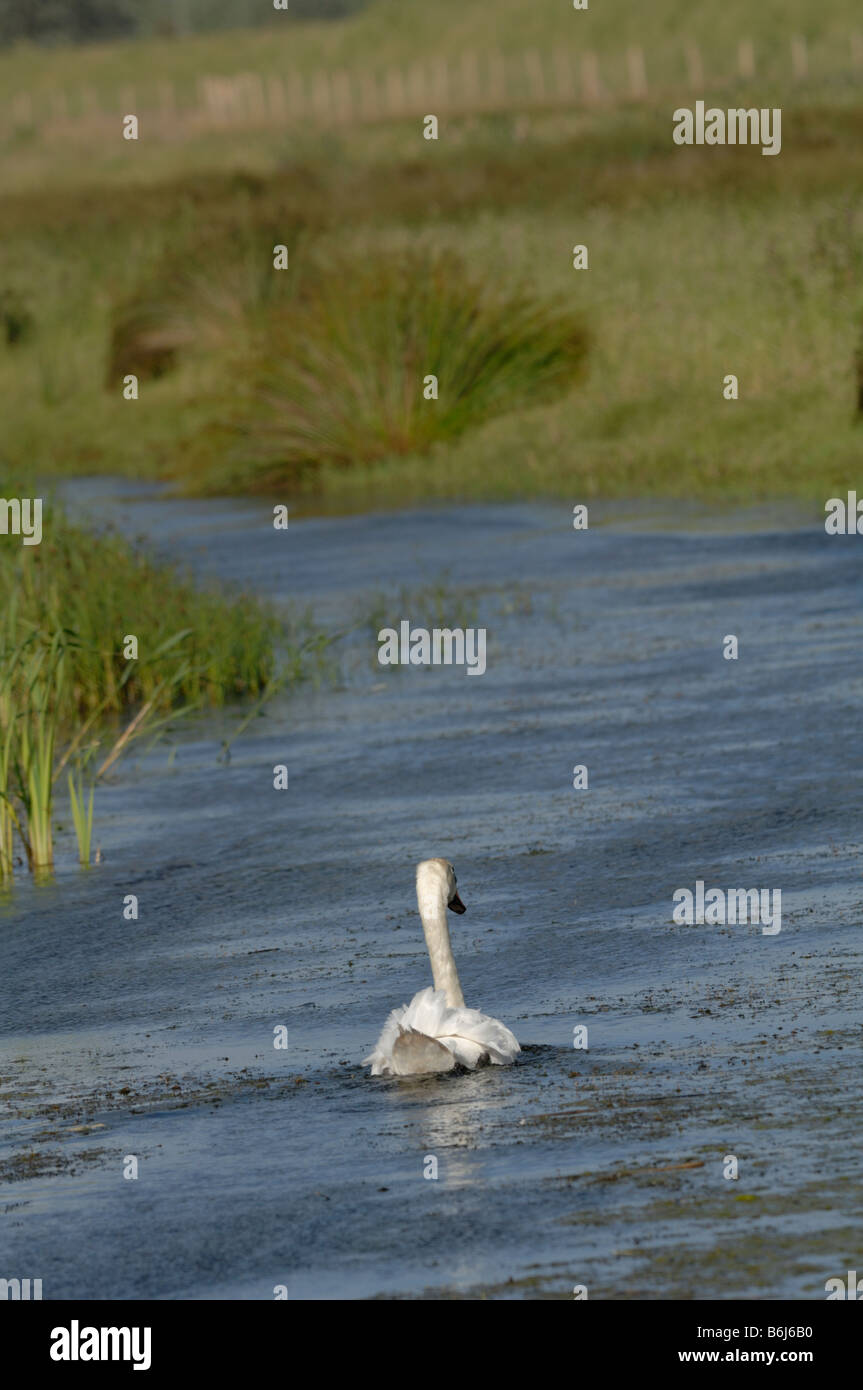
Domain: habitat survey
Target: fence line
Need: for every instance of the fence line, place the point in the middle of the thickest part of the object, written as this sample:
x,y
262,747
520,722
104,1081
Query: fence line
x,y
637,73
471,84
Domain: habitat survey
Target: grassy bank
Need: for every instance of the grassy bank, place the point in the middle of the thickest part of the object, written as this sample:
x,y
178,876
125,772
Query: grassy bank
x,y
100,589
704,262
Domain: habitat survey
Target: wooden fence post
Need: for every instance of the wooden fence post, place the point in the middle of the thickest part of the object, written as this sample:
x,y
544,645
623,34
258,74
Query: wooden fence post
x,y
344,100
470,81
746,58
563,76
321,95
637,72
297,96
395,92
370,102
497,79
694,66
441,83
590,79
418,89
535,75
276,104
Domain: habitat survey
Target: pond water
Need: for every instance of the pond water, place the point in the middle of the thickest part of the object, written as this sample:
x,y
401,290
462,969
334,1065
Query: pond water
x,y
603,1167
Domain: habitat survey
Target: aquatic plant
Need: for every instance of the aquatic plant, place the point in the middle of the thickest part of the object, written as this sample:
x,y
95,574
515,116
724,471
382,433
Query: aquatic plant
x,y
32,673
36,670
43,671
99,588
7,810
73,698
435,604
82,812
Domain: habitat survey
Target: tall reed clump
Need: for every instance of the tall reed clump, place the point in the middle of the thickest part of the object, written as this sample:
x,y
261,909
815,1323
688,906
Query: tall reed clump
x,y
102,588
329,362
43,672
82,812
341,375
7,754
33,674
72,700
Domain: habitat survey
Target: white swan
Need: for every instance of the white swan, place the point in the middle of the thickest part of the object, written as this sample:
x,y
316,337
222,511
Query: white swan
x,y
435,1032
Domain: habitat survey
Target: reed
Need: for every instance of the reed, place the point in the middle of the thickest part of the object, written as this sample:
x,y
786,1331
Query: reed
x,y
343,374
82,811
36,672
35,760
34,675
197,644
64,679
8,816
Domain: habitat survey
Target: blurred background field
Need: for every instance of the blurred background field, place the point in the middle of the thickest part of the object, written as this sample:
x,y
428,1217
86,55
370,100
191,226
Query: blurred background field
x,y
155,256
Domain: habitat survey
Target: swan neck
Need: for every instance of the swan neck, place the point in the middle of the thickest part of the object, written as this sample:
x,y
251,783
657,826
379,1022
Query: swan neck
x,y
436,929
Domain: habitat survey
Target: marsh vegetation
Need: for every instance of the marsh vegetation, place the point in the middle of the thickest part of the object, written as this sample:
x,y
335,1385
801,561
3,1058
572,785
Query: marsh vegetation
x,y
72,697
702,261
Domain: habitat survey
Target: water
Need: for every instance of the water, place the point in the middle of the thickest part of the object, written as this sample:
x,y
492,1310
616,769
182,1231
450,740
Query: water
x,y
261,1167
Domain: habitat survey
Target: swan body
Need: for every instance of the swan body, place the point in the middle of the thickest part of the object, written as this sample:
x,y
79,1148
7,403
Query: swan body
x,y
435,1032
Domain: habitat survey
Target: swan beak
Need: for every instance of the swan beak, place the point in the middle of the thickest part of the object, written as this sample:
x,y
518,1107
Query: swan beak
x,y
456,904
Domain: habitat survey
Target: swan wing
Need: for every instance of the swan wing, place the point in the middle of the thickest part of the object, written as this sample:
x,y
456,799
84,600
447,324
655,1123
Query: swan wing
x,y
426,1012
467,1035
381,1060
414,1054
422,1015
474,1034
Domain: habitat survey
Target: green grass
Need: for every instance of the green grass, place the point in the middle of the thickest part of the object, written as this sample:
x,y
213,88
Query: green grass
x,y
41,666
81,797
103,590
434,604
379,356
703,262
389,35
72,700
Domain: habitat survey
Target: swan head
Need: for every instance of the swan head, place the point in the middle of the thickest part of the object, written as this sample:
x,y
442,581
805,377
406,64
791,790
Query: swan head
x,y
436,884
